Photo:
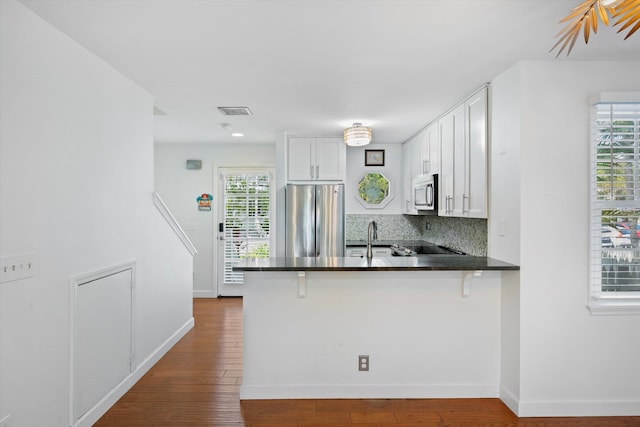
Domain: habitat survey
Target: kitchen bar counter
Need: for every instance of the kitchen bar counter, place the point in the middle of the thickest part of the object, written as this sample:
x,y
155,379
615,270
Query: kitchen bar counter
x,y
430,324
409,263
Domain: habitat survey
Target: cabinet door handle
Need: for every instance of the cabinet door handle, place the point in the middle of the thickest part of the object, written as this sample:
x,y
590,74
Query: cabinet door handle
x,y
425,166
317,171
465,197
311,172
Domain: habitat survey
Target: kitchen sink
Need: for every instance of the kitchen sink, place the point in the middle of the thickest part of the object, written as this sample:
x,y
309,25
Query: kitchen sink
x,y
434,250
423,250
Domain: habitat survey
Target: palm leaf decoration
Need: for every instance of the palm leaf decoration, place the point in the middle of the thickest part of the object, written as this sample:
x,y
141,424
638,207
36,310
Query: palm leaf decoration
x,y
628,11
584,18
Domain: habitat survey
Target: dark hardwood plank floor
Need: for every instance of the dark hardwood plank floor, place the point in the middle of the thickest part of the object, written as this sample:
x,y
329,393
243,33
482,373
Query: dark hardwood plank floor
x,y
197,383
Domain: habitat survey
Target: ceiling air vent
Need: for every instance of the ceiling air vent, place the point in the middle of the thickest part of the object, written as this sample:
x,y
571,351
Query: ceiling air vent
x,y
235,111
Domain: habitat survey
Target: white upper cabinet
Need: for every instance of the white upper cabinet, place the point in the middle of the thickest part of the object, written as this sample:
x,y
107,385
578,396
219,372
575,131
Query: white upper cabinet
x,y
429,151
316,159
409,170
463,159
432,158
451,162
421,159
475,192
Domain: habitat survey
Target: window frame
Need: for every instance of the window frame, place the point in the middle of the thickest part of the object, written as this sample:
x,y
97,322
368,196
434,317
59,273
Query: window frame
x,y
608,302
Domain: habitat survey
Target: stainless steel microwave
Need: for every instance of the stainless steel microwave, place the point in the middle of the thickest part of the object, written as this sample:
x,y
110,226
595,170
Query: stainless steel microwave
x,y
425,195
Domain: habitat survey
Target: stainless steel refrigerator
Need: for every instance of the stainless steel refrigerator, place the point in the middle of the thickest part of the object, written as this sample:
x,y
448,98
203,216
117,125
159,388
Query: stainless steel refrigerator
x,y
314,220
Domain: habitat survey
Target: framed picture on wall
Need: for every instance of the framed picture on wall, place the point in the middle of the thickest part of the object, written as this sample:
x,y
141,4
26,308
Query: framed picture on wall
x,y
374,157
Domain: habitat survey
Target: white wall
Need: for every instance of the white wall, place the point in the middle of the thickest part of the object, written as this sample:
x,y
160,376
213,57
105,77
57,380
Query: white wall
x,y
504,224
179,188
571,363
76,180
392,169
503,228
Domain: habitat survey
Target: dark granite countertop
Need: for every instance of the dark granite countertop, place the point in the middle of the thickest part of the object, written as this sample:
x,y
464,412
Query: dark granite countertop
x,y
416,263
388,243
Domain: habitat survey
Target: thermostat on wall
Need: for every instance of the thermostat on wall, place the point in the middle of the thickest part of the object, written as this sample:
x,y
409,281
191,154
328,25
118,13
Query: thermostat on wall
x,y
194,164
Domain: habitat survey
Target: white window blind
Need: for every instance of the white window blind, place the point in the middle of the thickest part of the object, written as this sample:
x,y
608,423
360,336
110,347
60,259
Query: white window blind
x,y
615,203
246,225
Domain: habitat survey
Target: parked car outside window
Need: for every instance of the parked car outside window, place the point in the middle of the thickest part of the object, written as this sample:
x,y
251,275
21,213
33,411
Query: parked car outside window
x,y
613,237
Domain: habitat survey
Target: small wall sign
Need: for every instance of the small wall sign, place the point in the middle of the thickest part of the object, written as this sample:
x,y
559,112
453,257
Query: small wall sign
x,y
204,202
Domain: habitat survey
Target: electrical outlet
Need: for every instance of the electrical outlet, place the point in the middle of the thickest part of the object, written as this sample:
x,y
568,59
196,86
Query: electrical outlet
x,y
363,362
5,421
17,267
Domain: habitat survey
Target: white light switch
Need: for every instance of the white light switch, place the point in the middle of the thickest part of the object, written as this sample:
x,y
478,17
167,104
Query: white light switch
x,y
17,267
502,228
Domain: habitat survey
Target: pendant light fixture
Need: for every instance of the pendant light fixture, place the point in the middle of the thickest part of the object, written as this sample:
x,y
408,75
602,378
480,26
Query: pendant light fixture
x,y
357,135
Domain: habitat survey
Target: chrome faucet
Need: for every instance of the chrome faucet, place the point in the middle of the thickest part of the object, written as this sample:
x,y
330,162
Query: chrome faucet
x,y
372,234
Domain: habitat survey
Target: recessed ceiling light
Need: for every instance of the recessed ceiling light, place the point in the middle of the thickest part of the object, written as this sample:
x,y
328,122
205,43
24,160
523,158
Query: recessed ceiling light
x,y
237,134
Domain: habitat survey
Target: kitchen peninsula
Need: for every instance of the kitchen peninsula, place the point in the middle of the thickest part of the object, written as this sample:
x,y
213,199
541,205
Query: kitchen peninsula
x,y
430,324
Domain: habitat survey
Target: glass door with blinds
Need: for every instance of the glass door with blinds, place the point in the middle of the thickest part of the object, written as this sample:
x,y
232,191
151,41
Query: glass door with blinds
x,y
245,223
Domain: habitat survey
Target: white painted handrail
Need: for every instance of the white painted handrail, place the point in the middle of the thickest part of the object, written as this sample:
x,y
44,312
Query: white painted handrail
x,y
171,220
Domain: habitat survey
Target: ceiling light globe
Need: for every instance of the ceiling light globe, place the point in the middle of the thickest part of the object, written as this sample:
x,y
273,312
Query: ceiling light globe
x,y
357,135
610,3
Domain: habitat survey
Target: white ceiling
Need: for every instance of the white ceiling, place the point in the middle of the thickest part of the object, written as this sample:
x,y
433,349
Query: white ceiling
x,y
313,67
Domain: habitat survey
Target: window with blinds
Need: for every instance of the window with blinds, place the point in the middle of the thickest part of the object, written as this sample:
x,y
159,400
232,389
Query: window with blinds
x,y
247,207
615,202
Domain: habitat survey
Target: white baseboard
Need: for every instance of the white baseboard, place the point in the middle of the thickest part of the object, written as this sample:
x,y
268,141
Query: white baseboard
x,y
204,294
509,399
578,408
368,391
112,397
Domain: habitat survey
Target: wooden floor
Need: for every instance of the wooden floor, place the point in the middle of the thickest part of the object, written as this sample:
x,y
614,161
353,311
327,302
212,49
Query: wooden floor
x,y
197,384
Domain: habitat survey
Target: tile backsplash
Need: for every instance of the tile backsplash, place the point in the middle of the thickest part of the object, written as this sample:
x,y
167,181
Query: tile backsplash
x,y
465,234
